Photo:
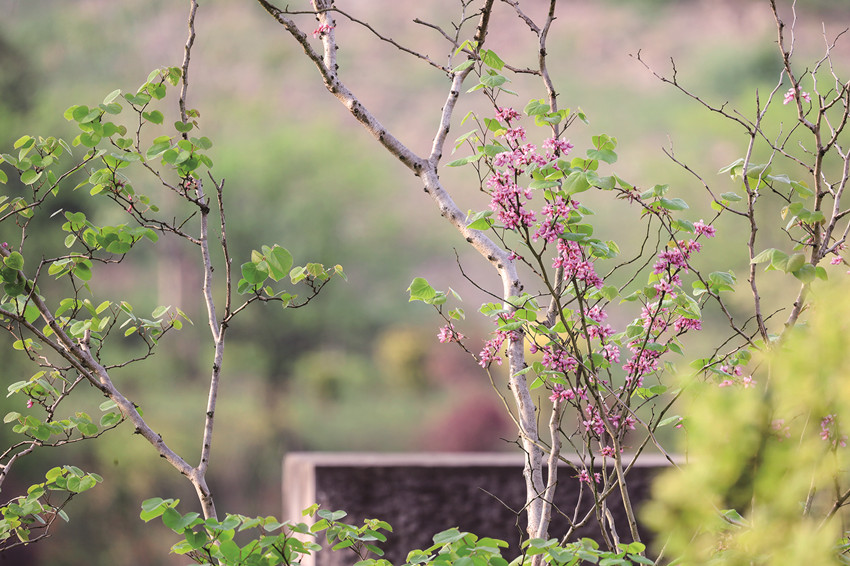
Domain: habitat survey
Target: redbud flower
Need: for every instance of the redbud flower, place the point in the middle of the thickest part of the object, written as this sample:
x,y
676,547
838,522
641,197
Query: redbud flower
x,y
29,404
321,30
703,229
830,432
789,96
506,114
449,334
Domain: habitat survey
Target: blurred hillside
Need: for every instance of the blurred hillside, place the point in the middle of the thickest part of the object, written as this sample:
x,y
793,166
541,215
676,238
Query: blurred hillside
x,y
360,368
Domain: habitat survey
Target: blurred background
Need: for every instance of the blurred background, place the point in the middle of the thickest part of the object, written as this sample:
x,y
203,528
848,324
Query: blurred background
x,y
360,368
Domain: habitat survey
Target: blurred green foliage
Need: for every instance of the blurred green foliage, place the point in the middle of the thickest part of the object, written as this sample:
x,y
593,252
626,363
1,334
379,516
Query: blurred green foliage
x,y
768,496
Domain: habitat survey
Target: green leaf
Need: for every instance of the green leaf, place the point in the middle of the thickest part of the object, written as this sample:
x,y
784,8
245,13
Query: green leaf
x,y
805,273
230,551
536,108
674,204
30,176
448,536
279,262
23,140
183,127
252,274
159,146
670,420
421,290
492,60
576,182
159,311
110,419
464,65
480,220
465,160
14,261
112,96
605,155
795,262
493,79
802,189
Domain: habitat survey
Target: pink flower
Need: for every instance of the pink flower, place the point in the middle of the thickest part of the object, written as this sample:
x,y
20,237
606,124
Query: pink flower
x,y
562,147
557,359
490,353
726,383
789,96
504,114
571,258
829,431
687,324
782,431
594,423
514,135
611,353
596,314
585,476
449,334
29,404
663,286
560,393
601,332
704,230
321,30
836,260
608,451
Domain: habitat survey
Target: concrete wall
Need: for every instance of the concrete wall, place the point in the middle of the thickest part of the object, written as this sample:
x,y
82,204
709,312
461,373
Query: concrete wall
x,y
423,494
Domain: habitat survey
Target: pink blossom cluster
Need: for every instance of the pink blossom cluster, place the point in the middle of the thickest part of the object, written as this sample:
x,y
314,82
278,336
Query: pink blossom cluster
x,y
789,96
557,359
448,333
676,258
597,315
781,429
518,158
684,324
837,260
830,432
654,317
642,363
611,352
571,259
554,146
599,331
703,229
322,29
584,476
737,377
507,114
561,393
608,451
595,423
507,201
554,212
490,352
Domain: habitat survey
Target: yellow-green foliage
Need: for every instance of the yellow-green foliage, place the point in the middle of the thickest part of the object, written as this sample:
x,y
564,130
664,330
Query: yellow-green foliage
x,y
760,481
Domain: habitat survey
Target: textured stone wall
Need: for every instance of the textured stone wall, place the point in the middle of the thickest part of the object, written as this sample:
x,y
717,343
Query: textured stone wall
x,y
422,494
